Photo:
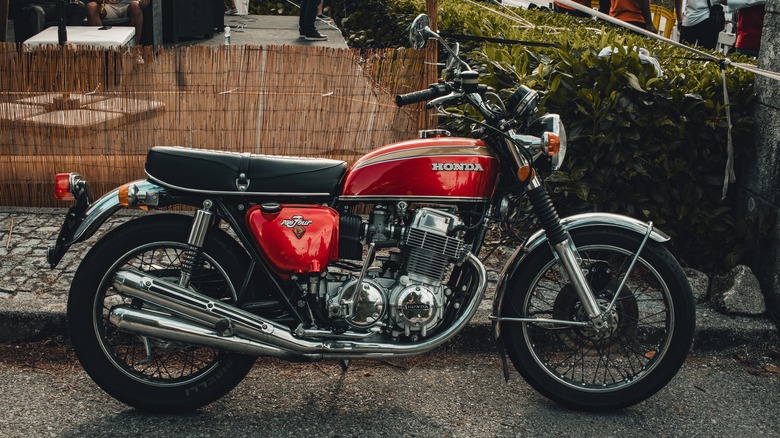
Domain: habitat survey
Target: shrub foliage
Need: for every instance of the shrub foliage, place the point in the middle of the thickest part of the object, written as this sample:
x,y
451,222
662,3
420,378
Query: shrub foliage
x,y
651,147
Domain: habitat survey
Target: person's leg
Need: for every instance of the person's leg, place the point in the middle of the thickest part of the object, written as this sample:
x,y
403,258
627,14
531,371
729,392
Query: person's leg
x,y
309,16
234,8
93,14
301,18
136,14
320,15
36,18
709,35
701,34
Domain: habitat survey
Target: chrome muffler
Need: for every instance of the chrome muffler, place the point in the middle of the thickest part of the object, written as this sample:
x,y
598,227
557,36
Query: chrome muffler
x,y
201,320
199,311
163,326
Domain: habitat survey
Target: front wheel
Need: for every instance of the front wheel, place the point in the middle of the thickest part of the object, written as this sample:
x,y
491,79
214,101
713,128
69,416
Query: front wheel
x,y
650,325
149,373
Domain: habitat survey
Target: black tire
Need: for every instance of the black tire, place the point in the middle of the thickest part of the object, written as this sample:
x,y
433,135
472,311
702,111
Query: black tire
x,y
653,323
179,377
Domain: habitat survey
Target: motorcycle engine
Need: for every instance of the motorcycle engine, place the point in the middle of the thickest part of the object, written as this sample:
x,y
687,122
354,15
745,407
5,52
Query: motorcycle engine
x,y
407,295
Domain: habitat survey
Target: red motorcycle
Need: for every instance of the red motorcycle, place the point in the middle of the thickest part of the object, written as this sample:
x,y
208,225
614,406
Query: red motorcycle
x,y
168,312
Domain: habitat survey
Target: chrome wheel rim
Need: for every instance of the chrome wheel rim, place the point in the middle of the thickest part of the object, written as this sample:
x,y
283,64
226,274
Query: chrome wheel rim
x,y
613,360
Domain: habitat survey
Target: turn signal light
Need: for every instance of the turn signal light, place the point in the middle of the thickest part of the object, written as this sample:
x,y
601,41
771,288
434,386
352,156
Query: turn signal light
x,y
553,143
62,187
525,173
124,194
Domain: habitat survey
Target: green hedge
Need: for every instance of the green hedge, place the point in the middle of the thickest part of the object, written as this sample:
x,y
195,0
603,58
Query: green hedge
x,y
653,148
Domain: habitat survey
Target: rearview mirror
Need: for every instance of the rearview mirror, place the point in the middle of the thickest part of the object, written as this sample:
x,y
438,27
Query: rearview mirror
x,y
419,31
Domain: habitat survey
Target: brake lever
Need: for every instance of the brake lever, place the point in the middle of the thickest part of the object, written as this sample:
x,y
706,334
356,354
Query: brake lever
x,y
440,100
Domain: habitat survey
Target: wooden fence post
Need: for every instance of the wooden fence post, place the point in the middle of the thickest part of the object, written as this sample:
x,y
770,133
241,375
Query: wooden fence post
x,y
431,57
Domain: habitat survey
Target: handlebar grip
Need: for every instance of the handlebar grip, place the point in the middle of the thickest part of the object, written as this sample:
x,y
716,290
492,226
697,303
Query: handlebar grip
x,y
433,91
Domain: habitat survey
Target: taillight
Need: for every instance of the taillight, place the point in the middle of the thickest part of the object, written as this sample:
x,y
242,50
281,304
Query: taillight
x,y
62,186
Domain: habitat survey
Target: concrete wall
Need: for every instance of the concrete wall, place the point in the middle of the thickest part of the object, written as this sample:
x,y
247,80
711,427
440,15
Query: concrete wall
x,y
758,193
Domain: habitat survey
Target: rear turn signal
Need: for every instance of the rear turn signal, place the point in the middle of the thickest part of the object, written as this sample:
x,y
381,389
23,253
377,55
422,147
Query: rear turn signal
x,y
62,186
124,195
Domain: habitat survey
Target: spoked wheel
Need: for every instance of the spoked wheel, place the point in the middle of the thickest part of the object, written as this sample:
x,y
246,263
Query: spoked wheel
x,y
146,372
650,325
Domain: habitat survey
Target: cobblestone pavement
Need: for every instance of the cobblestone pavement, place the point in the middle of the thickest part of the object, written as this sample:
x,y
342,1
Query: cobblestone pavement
x,y
33,296
26,235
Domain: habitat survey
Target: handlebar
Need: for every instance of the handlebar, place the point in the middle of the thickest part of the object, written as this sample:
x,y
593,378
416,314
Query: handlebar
x,y
433,91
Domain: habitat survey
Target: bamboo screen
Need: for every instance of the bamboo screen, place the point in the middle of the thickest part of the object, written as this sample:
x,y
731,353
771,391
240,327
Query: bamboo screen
x,y
98,113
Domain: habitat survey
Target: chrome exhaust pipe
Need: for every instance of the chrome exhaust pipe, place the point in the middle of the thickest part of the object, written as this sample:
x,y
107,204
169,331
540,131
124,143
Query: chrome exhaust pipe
x,y
196,317
205,311
163,326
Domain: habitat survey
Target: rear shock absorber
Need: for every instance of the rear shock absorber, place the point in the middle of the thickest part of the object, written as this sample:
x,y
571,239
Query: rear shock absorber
x,y
200,226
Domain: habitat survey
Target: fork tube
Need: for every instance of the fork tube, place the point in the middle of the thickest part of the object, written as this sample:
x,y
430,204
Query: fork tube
x,y
562,245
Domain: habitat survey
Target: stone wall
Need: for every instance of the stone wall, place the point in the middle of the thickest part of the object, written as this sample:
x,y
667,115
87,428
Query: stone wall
x,y
758,193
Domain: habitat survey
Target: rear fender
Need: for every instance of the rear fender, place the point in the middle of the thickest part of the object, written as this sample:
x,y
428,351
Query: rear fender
x,y
83,219
569,223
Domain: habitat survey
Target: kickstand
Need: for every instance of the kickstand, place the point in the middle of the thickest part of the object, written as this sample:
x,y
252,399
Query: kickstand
x,y
344,365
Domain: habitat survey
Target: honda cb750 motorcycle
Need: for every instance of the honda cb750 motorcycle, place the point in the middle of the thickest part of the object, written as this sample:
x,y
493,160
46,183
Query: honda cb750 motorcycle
x,y
168,312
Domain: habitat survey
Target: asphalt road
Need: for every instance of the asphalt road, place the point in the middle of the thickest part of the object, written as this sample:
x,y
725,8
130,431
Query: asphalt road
x,y
45,393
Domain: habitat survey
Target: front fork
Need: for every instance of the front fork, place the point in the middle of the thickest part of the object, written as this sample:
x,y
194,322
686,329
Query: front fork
x,y
565,251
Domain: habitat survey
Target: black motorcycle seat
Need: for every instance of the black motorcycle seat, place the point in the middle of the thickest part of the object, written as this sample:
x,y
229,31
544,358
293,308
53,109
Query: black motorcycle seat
x,y
236,173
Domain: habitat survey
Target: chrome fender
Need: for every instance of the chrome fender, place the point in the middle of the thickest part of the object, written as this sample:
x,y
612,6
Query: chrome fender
x,y
569,223
80,227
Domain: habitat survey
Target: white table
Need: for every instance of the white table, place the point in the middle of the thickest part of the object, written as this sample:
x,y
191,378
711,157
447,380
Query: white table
x,y
93,36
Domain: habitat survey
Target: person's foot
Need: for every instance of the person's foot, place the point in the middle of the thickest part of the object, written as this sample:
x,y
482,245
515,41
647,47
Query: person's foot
x,y
232,11
323,17
315,36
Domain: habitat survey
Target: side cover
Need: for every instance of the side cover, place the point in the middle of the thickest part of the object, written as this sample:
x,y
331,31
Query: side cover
x,y
295,239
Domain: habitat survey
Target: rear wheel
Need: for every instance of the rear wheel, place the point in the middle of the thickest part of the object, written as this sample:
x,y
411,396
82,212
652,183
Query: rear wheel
x,y
145,372
650,326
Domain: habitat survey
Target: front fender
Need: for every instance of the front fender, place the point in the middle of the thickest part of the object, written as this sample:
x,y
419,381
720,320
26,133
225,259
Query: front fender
x,y
568,223
81,223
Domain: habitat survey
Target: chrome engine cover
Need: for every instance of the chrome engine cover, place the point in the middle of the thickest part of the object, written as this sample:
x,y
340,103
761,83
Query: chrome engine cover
x,y
362,309
416,308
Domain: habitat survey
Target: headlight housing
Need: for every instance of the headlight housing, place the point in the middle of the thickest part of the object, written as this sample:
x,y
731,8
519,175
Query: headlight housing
x,y
554,143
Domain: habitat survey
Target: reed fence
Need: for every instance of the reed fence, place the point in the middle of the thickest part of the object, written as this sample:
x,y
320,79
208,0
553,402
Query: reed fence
x,y
98,113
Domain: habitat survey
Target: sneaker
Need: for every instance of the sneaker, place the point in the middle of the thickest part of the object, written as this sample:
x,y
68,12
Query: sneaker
x,y
315,36
232,11
323,17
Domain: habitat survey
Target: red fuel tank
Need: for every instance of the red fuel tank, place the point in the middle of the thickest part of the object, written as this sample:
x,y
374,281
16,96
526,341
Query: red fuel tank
x,y
434,169
296,239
